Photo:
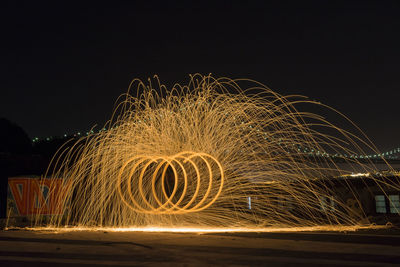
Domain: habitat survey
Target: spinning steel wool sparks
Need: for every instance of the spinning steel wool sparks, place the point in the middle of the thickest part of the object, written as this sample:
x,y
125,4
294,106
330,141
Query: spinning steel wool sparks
x,y
210,154
167,207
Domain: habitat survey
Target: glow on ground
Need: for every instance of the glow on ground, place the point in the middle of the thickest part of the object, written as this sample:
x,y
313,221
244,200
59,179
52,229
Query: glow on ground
x,y
329,228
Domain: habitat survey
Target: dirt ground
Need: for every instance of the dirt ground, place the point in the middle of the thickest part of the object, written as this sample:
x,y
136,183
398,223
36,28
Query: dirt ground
x,y
103,248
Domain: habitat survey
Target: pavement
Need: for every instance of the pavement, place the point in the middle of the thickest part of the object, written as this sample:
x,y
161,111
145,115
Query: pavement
x,y
104,248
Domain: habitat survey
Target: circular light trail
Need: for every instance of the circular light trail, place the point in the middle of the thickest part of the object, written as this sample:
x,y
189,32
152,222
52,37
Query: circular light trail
x,y
140,203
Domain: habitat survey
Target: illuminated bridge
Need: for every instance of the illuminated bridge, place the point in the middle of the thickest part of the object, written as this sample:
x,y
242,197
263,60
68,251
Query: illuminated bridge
x,y
389,156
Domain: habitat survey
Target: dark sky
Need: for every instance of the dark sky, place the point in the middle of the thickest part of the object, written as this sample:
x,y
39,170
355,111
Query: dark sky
x,y
64,64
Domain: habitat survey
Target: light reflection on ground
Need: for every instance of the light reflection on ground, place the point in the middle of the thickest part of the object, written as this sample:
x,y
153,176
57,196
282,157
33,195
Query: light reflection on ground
x,y
329,228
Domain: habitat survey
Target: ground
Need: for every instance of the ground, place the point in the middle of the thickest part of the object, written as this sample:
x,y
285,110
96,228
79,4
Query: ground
x,y
105,248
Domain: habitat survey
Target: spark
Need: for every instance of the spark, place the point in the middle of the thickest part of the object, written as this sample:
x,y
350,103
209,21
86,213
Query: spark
x,y
190,158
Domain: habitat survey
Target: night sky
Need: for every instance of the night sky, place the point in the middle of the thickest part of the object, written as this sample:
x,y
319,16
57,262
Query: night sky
x,y
64,64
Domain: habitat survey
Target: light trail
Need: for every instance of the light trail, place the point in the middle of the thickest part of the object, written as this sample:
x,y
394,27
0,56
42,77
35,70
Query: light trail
x,y
192,157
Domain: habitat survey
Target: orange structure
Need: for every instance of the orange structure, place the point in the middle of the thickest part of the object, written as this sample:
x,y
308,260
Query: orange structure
x,y
36,196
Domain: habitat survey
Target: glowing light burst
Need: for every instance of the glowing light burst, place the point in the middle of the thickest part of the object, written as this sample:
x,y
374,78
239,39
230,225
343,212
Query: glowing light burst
x,y
194,156
167,207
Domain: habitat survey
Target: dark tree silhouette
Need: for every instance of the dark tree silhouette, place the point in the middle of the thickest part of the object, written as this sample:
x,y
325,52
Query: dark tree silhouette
x,y
15,150
13,139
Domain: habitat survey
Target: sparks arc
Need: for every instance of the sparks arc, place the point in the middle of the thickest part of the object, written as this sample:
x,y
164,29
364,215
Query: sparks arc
x,y
214,153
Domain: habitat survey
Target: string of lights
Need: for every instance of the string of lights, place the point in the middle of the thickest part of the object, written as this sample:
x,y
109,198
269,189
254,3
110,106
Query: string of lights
x,y
393,154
